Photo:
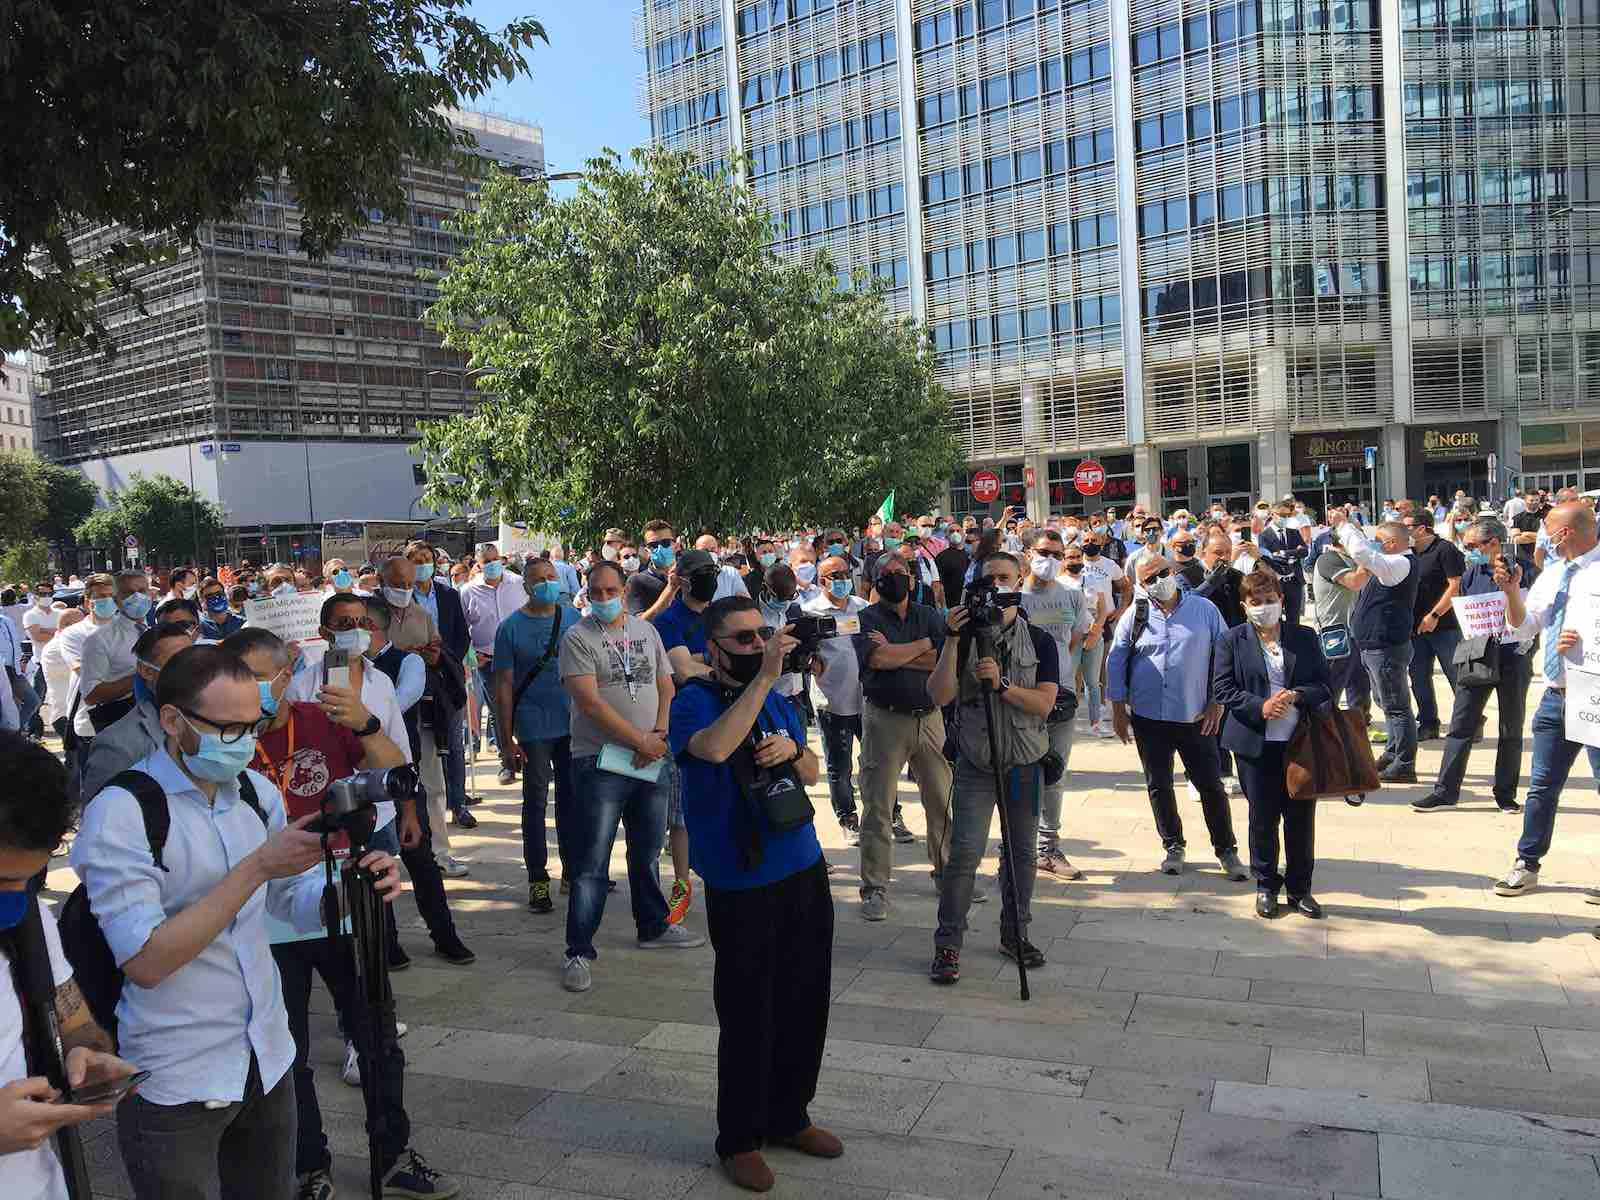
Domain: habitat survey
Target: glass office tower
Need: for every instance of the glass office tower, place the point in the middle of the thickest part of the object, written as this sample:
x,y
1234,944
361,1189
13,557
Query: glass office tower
x,y
1215,246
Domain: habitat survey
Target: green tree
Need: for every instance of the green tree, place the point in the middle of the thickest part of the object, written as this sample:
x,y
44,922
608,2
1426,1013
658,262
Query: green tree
x,y
649,354
162,512
161,115
25,562
23,497
70,496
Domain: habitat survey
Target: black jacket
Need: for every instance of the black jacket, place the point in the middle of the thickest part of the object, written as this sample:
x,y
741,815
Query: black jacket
x,y
1239,682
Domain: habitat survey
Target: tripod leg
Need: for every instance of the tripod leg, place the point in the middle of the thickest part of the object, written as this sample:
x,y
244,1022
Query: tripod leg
x,y
1007,841
375,1010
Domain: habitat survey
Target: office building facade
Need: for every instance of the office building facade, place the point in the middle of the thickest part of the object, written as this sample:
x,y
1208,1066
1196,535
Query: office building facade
x,y
287,390
17,427
1222,249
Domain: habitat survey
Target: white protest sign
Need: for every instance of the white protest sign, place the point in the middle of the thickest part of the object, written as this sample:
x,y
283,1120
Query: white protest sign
x,y
1482,615
1582,615
293,618
1583,707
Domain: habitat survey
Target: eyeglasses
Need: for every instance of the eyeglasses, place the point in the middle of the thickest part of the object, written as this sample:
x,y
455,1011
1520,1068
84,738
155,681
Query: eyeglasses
x,y
188,628
664,542
346,624
1056,554
230,732
1161,574
748,637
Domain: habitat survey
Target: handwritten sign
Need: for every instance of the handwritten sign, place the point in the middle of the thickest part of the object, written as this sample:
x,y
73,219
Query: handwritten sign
x,y
293,618
1583,615
1481,616
1583,707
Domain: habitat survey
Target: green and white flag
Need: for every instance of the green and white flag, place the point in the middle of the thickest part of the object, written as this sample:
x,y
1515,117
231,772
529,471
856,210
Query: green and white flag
x,y
886,509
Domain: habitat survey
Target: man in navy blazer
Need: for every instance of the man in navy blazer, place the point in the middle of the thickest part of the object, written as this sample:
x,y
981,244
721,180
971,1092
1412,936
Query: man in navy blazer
x,y
1285,549
443,604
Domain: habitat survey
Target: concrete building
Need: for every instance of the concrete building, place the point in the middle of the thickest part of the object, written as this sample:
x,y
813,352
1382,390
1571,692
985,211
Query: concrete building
x,y
1215,247
17,430
287,390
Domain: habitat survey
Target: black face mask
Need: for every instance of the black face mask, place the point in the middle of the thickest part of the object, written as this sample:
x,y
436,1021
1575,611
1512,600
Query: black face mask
x,y
703,585
1091,551
894,587
743,667
1075,568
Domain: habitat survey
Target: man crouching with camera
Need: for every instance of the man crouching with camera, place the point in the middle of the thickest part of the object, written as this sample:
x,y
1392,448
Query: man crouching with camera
x,y
996,653
745,767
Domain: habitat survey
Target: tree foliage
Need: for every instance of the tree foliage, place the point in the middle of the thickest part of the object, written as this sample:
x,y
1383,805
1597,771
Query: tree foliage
x,y
163,513
25,562
69,497
648,354
23,497
161,115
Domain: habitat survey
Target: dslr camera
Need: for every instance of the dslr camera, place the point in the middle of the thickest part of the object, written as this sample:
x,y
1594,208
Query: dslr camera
x,y
808,632
349,805
986,605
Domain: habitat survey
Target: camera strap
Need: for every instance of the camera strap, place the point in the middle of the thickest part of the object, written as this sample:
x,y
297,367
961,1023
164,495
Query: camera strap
x,y
538,667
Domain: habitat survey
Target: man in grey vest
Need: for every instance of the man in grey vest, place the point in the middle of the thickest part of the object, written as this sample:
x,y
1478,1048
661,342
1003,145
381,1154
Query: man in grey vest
x,y
1381,624
1023,676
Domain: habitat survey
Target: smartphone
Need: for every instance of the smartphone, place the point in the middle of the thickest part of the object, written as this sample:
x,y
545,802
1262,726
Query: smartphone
x,y
336,668
109,1092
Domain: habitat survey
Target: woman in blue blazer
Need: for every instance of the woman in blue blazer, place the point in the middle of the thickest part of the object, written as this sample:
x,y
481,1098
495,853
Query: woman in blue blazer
x,y
1267,673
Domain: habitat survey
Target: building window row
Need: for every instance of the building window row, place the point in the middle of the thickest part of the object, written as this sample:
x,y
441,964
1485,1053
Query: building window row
x,y
1097,231
1486,271
770,14
1093,317
858,132
680,47
1198,32
1277,107
686,114
1485,98
1494,185
1021,166
1227,295
1276,196
1498,14
815,71
842,211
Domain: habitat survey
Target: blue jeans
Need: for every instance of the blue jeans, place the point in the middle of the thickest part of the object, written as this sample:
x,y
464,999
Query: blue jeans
x,y
587,829
1553,756
1387,666
837,734
1426,648
972,805
455,765
1091,659
549,761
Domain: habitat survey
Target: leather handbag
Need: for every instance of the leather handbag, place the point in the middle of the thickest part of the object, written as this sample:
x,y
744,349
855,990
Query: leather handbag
x,y
1329,757
1477,662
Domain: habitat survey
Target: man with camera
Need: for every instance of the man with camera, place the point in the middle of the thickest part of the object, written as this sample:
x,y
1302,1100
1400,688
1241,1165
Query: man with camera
x,y
838,675
35,813
1002,667
202,1008
745,770
305,748
897,649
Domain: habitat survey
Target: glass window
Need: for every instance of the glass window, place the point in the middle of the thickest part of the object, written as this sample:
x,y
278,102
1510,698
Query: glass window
x,y
1029,166
1024,83
1228,469
1000,171
1002,251
1203,209
1052,75
995,94
1032,245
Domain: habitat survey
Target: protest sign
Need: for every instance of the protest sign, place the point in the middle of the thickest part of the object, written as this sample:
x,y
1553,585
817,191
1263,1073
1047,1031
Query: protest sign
x,y
1583,707
293,618
1481,616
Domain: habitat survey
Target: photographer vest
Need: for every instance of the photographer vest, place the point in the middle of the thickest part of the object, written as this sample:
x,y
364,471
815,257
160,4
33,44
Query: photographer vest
x,y
1021,737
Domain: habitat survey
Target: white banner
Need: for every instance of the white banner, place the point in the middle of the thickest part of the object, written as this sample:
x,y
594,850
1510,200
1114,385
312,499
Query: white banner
x,y
1583,707
1481,616
293,618
1583,615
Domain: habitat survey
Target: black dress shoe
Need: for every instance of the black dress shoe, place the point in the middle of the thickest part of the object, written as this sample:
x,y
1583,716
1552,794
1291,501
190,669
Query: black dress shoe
x,y
1306,906
1267,904
1394,774
1384,760
1507,805
1427,733
1432,802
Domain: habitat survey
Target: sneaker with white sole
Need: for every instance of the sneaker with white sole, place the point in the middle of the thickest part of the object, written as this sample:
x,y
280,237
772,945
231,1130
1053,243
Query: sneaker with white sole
x,y
1172,864
1194,792
874,905
314,1185
453,868
1517,881
351,1073
901,834
1235,870
850,826
575,975
674,937
413,1179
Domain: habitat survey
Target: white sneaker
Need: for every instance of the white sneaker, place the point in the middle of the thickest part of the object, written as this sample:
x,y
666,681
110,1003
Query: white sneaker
x,y
453,868
352,1069
575,975
400,1030
674,937
1194,792
1517,881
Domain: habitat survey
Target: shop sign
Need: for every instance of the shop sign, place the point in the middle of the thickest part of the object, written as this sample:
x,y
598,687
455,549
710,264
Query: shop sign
x,y
1338,448
1442,443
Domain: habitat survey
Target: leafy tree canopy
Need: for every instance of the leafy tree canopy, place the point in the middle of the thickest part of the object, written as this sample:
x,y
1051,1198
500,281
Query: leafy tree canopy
x,y
23,497
161,115
163,513
69,498
648,354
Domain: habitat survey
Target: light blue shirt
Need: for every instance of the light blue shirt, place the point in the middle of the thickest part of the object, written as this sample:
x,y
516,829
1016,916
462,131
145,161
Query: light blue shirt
x,y
429,600
411,682
568,574
196,1030
1172,663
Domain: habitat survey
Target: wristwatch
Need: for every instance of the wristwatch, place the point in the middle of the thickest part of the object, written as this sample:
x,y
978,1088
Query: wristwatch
x,y
372,726
1005,685
799,753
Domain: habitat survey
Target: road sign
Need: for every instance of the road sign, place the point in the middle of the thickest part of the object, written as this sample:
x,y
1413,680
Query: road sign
x,y
985,487
231,447
131,542
1089,478
1028,477
1371,453
1322,472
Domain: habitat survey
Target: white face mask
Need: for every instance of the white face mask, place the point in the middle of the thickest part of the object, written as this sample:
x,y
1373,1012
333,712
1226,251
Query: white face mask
x,y
1005,589
609,553
399,597
1162,590
630,563
1044,567
354,641
1235,536
1264,616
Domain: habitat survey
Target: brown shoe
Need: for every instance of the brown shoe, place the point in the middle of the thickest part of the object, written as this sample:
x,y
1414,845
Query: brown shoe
x,y
750,1171
818,1143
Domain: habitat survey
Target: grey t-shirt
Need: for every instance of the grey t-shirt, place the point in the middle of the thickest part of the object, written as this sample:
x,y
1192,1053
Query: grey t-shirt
x,y
1331,599
1059,611
611,656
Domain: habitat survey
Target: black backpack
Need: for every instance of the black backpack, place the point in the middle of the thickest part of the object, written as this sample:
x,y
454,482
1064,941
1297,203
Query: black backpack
x,y
82,940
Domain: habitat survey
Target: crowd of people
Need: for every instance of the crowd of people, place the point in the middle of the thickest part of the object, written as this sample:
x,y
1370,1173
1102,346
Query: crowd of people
x,y
666,685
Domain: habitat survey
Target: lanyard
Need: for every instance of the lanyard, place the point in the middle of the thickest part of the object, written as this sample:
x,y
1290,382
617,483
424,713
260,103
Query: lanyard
x,y
281,774
623,653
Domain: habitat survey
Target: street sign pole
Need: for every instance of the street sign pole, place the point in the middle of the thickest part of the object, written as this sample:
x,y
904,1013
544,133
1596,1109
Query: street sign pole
x,y
1322,474
1372,477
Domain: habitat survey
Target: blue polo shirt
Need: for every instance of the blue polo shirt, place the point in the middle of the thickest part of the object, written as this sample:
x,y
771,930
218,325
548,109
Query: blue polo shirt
x,y
710,795
543,713
680,625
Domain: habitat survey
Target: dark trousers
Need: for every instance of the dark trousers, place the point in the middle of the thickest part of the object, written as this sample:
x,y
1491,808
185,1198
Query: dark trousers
x,y
1348,678
427,884
1294,601
837,735
771,986
1157,742
1426,649
1516,671
548,762
243,1151
1266,791
332,959
486,674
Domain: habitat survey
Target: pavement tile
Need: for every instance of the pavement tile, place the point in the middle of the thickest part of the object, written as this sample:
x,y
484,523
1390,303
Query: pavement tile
x,y
995,998
1372,972
1224,1020
1521,981
570,1120
921,1166
1298,1154
454,1151
1171,983
1572,1050
1529,1090
510,1058
1161,1091
1430,1169
441,1099
1394,1078
1031,1176
1427,1004
1134,956
714,1185
623,1176
1097,1129
1392,1036
885,1026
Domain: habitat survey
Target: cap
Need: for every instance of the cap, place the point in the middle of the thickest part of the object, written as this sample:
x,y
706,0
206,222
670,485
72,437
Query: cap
x,y
615,535
691,562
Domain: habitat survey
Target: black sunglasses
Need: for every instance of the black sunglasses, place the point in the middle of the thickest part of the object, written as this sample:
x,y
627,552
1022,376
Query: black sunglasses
x,y
747,637
657,545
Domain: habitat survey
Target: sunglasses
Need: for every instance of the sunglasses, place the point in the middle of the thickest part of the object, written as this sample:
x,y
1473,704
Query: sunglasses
x,y
1055,554
667,542
187,627
1161,574
748,637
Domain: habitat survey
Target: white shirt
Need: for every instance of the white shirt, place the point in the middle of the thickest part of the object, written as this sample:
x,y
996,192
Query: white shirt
x,y
840,681
39,618
377,693
71,645
729,583
1058,611
485,606
60,683
1279,728
1387,569
1540,607
1514,508
36,1173
1101,575
107,655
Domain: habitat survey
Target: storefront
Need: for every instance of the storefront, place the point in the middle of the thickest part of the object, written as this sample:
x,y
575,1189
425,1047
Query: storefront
x,y
1342,453
1561,454
1446,457
1118,493
1013,491
1193,477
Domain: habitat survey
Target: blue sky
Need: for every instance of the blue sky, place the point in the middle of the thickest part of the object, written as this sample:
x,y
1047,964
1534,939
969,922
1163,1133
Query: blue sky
x,y
581,85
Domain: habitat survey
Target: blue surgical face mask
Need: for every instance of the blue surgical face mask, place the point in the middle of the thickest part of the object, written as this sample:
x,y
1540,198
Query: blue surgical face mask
x,y
269,702
217,761
217,604
424,572
766,560
547,592
836,549
1476,558
141,690
283,589
662,556
13,907
494,569
806,573
343,579
891,543
840,586
105,608
605,611
136,606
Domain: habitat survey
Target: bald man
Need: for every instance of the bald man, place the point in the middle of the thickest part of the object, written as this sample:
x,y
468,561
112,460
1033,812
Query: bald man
x,y
1381,623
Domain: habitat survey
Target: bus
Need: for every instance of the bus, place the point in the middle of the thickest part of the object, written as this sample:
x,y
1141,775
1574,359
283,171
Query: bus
x,y
372,541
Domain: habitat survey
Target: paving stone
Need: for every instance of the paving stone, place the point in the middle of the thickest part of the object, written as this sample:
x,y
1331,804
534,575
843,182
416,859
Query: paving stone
x,y
1214,931
1371,972
1030,1176
1078,948
569,1120
1527,1090
623,1176
1222,1020
454,1151
1395,1078
440,1099
996,998
1103,1130
1427,1004
1430,1169
1302,1155
921,1166
1170,983
509,1058
1523,982
1572,1050
715,1185
1134,1087
1469,1041
350,1178
885,1026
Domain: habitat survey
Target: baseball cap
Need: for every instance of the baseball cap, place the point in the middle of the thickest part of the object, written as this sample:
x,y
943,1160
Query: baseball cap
x,y
691,562
614,535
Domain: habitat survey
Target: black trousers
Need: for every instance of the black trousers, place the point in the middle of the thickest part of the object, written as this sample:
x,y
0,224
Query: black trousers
x,y
1294,601
1348,677
1267,793
1516,671
1157,742
332,960
427,884
773,980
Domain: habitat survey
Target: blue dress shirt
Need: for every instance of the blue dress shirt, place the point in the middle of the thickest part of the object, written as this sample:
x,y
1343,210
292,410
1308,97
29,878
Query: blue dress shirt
x,y
1172,662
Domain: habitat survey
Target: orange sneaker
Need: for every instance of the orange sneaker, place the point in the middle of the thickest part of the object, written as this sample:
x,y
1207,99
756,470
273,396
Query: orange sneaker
x,y
678,904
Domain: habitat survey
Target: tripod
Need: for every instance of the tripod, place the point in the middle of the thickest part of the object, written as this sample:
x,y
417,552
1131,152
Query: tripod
x,y
985,637
373,1020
